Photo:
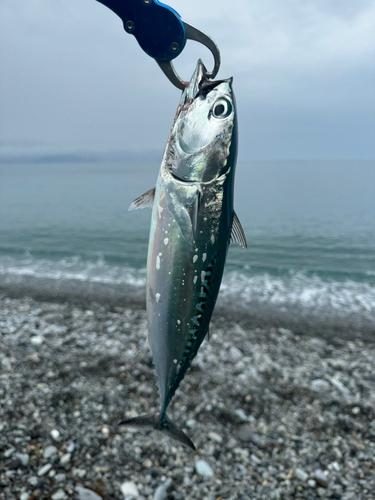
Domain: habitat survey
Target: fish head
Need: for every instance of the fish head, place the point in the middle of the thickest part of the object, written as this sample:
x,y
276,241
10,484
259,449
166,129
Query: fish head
x,y
203,141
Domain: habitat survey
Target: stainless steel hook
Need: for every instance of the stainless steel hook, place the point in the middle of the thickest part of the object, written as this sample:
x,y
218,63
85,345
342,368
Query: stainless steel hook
x,y
196,35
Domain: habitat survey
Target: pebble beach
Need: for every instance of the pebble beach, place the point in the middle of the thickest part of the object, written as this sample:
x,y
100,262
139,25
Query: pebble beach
x,y
274,414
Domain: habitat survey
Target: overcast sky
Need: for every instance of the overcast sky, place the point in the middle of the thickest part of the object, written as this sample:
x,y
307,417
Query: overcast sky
x,y
304,76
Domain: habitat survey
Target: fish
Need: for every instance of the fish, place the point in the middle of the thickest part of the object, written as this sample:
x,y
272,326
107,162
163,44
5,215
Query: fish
x,y
192,224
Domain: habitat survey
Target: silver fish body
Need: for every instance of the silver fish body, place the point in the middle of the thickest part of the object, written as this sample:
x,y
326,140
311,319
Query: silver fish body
x,y
192,223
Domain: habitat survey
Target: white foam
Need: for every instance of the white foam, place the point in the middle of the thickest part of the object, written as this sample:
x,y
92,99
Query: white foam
x,y
296,290
300,290
72,269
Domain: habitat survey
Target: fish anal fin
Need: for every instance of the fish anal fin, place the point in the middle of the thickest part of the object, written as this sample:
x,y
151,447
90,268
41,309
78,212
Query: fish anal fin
x,y
237,233
146,200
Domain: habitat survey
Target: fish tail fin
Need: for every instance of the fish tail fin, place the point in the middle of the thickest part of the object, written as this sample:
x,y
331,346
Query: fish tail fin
x,y
161,423
175,432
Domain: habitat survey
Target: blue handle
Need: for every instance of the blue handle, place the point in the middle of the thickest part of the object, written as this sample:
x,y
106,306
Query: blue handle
x,y
157,28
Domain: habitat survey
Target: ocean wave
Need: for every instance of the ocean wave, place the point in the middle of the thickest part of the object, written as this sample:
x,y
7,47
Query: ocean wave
x,y
300,291
73,268
245,289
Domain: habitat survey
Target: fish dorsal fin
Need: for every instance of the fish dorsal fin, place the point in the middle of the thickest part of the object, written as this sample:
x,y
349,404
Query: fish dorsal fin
x,y
146,200
237,234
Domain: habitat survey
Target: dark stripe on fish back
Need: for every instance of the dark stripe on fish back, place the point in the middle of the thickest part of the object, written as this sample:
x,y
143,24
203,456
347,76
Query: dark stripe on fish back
x,y
194,341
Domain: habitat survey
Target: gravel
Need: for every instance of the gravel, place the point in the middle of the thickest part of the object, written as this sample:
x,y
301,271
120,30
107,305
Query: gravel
x,y
203,468
301,474
129,490
274,413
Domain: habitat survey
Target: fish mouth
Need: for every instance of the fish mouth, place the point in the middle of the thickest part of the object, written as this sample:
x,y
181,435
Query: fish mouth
x,y
200,85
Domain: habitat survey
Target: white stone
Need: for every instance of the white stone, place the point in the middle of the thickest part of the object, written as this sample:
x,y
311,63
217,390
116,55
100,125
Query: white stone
x,y
79,472
311,483
37,340
55,434
65,459
340,386
235,353
49,452
231,443
255,459
203,468
334,466
301,474
286,332
71,447
187,481
85,494
25,496
24,458
166,240
6,364
161,491
59,495
319,385
129,490
215,437
33,480
59,478
43,470
8,453
241,415
55,330
321,478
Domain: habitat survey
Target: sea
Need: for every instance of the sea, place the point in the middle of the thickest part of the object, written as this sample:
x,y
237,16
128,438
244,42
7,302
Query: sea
x,y
310,228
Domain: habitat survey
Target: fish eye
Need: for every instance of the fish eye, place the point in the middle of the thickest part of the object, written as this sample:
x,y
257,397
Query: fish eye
x,y
222,108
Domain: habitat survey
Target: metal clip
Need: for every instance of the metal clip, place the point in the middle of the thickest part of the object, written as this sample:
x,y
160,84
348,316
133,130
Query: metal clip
x,y
196,35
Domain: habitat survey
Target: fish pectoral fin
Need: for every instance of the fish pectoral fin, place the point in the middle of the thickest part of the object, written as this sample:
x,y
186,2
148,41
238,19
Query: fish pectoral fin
x,y
146,200
160,423
193,213
237,234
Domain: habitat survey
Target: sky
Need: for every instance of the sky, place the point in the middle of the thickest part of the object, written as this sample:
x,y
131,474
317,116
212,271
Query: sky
x,y
72,80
